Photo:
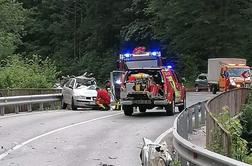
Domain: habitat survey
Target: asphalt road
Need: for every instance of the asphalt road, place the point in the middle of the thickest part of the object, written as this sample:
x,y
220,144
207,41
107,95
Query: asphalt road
x,y
81,138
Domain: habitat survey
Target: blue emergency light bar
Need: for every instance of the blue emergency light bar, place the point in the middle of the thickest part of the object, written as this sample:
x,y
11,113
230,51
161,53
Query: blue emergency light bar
x,y
128,55
155,53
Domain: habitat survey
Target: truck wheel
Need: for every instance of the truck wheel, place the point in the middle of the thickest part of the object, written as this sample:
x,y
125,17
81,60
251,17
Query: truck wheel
x,y
142,109
170,109
182,107
73,106
128,110
214,89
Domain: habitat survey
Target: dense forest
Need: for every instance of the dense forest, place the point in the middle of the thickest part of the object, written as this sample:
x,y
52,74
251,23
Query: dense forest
x,y
88,35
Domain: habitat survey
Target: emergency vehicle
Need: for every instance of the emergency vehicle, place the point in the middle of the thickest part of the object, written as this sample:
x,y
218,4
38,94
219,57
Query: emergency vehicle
x,y
228,73
146,83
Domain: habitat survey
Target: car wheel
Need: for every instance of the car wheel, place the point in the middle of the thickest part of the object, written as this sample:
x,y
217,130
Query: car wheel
x,y
209,89
73,106
196,88
128,110
142,109
170,109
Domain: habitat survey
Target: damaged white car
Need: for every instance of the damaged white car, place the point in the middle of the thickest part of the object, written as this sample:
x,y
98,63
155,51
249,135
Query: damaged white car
x,y
79,92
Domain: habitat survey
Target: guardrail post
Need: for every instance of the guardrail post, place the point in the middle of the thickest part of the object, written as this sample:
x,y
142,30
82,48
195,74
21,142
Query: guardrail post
x,y
29,107
16,109
203,113
190,125
41,106
185,125
196,114
2,111
53,105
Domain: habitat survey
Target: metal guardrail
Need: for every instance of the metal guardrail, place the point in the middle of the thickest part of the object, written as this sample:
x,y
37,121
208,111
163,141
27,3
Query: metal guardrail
x,y
190,154
28,100
234,99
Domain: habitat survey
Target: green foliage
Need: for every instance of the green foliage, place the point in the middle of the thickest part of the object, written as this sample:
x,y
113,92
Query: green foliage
x,y
81,35
138,30
217,145
246,121
12,16
87,35
190,69
248,159
205,29
29,73
175,163
233,126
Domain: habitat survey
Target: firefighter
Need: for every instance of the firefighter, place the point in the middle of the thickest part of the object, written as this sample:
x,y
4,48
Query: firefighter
x,y
107,85
103,99
224,81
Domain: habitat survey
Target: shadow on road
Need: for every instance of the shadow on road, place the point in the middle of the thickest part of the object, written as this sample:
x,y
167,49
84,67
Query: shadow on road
x,y
151,114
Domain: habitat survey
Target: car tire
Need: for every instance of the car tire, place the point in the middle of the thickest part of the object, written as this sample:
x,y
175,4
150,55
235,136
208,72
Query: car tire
x,y
196,88
128,110
142,109
209,89
73,106
170,109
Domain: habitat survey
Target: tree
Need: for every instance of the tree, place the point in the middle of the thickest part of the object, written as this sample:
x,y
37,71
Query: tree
x,y
76,32
138,29
12,16
207,29
18,72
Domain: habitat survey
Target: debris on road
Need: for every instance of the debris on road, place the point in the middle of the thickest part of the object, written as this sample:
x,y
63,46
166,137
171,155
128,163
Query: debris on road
x,y
112,157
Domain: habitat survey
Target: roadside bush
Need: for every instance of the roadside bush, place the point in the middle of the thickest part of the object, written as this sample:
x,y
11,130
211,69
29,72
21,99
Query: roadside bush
x,y
246,121
234,127
16,72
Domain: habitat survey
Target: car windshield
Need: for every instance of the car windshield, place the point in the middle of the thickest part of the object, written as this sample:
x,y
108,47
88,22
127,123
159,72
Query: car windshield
x,y
202,77
142,64
85,82
236,72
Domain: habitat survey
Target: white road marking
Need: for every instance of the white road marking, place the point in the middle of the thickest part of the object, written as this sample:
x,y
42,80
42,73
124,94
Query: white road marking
x,y
159,139
18,146
13,115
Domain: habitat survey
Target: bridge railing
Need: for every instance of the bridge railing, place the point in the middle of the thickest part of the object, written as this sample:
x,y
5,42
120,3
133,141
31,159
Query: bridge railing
x,y
29,100
194,117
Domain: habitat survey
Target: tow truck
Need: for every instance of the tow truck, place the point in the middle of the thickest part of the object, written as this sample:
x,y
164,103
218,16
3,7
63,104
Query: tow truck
x,y
143,81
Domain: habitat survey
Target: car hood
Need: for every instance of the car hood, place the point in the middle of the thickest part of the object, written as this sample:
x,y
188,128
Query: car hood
x,y
240,79
85,92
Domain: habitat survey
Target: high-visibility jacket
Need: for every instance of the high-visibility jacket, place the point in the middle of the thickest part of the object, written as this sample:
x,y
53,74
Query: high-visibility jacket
x,y
103,96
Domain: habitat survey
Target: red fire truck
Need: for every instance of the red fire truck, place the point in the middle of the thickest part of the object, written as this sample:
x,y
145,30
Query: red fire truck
x,y
144,82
